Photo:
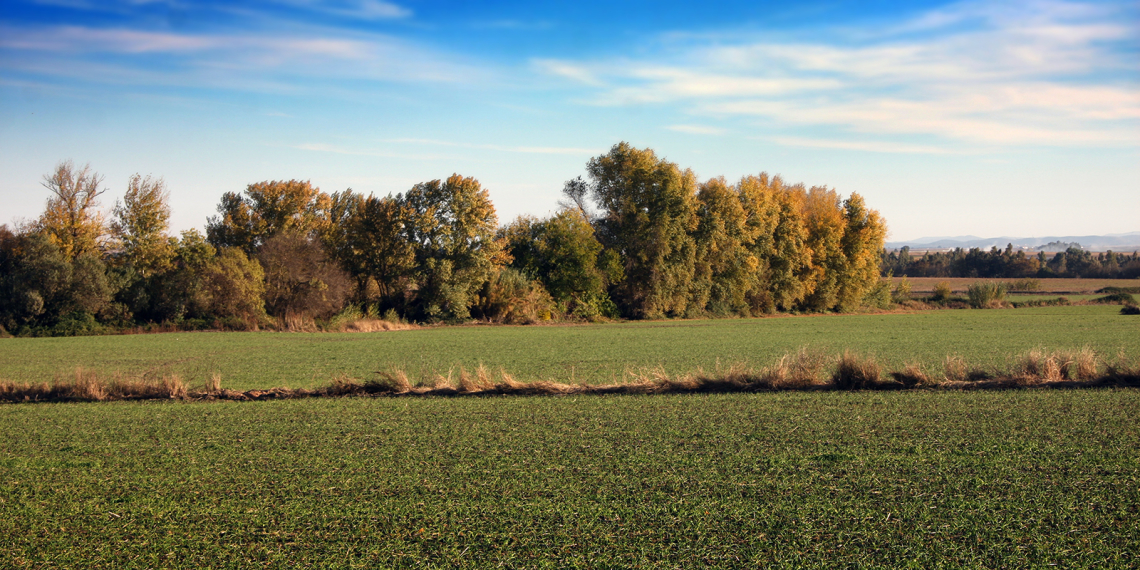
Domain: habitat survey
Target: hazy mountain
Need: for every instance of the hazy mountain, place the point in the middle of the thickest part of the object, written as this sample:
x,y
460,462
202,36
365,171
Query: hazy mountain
x,y
1116,242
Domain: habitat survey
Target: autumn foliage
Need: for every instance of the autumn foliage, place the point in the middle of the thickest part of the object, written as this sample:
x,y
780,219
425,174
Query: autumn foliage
x,y
638,237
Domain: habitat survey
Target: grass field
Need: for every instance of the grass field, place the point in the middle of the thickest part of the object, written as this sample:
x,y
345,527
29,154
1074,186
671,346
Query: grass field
x,y
927,479
591,353
925,285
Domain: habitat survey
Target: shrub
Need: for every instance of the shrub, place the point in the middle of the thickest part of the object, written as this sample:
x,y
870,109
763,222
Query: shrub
x,y
1130,310
942,291
901,293
986,295
1111,290
1024,285
1114,298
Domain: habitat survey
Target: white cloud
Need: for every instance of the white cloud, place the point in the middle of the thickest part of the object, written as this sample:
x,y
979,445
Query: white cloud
x,y
696,129
249,60
977,73
861,145
357,9
519,149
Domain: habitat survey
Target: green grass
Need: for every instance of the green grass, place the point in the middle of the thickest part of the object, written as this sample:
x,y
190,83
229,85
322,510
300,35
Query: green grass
x,y
593,353
994,479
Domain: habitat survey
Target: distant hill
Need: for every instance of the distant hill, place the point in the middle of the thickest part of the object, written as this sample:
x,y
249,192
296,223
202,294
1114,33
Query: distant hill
x,y
1116,242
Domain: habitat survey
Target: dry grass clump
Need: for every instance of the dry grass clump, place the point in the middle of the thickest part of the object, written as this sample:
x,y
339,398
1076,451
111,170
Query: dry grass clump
x,y
914,376
367,325
854,372
86,385
795,371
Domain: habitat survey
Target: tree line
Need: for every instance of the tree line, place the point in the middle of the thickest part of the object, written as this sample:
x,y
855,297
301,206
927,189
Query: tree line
x,y
1007,263
638,237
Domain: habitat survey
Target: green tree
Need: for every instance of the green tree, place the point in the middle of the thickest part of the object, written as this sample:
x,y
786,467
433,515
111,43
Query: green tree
x,y
234,287
382,252
563,253
141,222
647,208
71,219
451,227
44,290
725,270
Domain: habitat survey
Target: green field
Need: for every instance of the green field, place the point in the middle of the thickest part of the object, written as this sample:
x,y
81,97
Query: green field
x,y
592,353
925,479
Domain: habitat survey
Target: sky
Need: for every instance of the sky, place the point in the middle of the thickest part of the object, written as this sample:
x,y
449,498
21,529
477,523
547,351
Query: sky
x,y
950,118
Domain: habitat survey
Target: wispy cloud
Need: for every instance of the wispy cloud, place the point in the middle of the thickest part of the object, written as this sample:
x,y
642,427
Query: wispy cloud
x,y
250,60
696,129
519,149
975,73
861,145
357,9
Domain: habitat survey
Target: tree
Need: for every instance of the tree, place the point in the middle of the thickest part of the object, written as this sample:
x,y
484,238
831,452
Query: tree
x,y
234,287
823,216
40,287
647,206
265,209
381,251
141,222
300,280
862,242
563,253
71,220
725,270
451,227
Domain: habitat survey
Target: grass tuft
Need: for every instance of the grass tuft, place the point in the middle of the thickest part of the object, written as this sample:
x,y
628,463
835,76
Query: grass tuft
x,y
854,372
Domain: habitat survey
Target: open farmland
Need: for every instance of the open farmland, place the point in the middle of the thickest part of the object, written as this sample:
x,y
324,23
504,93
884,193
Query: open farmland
x,y
589,353
932,479
1059,286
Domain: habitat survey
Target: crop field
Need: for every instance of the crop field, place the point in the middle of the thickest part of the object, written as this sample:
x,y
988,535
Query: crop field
x,y
925,479
925,285
576,353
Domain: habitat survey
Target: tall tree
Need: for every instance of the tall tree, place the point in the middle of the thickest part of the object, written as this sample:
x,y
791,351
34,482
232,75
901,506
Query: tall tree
x,y
451,226
71,219
647,213
778,241
246,221
862,242
725,269
381,252
141,222
823,216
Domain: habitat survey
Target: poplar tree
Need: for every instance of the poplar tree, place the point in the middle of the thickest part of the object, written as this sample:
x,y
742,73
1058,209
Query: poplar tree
x,y
142,219
647,208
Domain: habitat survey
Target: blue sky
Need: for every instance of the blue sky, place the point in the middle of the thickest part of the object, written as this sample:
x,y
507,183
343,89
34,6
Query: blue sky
x,y
982,118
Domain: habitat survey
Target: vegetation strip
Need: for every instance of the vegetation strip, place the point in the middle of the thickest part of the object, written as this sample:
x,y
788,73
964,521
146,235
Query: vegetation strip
x,y
803,370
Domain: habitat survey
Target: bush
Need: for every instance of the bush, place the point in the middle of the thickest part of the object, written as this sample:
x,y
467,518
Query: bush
x,y
901,293
1112,290
942,291
1115,298
986,295
1130,310
1024,285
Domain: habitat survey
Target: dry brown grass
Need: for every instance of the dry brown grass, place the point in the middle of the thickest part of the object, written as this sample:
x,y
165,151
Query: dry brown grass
x,y
87,385
367,325
855,372
803,370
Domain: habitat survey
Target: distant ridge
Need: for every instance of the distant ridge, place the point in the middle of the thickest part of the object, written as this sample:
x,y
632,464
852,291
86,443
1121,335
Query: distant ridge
x,y
1116,242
